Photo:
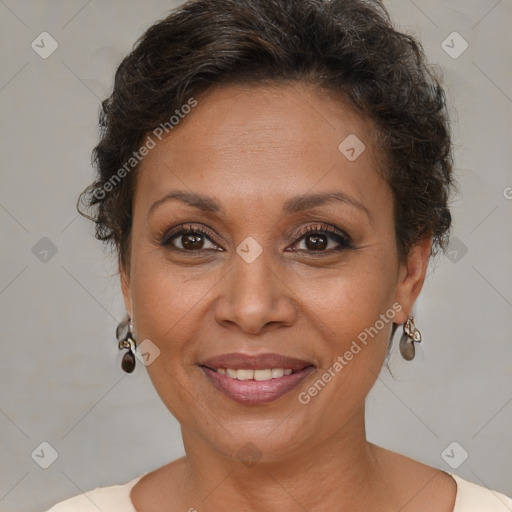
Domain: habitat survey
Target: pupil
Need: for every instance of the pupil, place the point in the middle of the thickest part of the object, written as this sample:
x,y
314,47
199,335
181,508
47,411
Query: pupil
x,y
192,241
318,242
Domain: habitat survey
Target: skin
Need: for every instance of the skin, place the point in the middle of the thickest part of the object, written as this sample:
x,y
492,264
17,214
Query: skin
x,y
251,149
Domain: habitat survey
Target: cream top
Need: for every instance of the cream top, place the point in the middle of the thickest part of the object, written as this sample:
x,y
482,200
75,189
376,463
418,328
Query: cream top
x,y
470,498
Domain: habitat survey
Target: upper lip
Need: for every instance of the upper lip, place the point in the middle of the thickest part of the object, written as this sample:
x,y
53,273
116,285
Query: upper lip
x,y
255,362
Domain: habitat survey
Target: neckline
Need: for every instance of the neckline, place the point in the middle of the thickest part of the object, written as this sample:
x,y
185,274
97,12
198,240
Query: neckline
x,y
457,487
130,486
455,478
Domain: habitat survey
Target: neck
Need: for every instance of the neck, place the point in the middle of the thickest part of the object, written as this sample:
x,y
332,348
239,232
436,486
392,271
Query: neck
x,y
334,473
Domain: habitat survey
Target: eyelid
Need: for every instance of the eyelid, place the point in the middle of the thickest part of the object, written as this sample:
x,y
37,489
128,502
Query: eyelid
x,y
323,227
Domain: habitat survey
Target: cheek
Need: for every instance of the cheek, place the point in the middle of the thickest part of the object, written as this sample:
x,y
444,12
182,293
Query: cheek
x,y
167,310
354,313
350,298
165,306
162,291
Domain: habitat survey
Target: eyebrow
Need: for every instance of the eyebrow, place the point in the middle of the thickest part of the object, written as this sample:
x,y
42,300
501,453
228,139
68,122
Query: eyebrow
x,y
292,205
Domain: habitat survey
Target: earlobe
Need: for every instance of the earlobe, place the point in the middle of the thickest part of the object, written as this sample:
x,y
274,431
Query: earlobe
x,y
411,277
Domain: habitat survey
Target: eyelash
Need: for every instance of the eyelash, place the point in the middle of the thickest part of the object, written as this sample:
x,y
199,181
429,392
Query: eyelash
x,y
340,237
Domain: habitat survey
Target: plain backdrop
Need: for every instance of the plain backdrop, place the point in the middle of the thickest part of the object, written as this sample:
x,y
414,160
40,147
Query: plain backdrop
x,y
60,300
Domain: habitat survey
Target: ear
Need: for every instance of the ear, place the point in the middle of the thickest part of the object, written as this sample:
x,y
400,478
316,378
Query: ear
x,y
411,276
125,287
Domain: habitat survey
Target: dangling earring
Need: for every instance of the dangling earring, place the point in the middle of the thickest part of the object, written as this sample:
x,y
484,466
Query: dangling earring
x,y
126,340
410,335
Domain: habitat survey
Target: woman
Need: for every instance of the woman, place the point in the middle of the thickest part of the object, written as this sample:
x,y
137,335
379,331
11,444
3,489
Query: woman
x,y
274,175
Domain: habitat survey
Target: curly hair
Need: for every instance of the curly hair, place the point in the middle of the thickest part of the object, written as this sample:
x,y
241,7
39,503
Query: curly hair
x,y
348,46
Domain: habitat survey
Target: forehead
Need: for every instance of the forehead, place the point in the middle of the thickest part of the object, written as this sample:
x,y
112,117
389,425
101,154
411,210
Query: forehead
x,y
265,142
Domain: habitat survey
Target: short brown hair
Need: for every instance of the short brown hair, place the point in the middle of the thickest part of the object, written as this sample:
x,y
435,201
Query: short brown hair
x,y
349,46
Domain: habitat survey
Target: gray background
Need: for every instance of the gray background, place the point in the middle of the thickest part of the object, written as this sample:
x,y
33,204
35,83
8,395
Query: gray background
x,y
60,367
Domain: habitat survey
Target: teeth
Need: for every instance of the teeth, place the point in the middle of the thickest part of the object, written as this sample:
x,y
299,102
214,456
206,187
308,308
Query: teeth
x,y
260,375
244,374
277,372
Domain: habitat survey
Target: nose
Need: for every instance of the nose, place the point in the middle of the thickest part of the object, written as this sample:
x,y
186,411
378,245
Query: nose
x,y
254,297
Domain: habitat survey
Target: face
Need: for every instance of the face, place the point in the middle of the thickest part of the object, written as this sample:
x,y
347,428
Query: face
x,y
258,244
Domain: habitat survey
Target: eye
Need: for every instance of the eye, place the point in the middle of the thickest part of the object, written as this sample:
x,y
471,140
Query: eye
x,y
189,238
319,237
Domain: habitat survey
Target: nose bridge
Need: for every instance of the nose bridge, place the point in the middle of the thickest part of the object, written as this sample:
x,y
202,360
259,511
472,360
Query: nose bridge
x,y
252,284
253,295
251,263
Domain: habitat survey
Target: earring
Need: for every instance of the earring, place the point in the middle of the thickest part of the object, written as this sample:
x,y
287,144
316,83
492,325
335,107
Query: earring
x,y
410,335
126,340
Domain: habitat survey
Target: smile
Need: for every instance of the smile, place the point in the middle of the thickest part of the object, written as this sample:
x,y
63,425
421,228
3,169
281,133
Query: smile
x,y
259,375
249,386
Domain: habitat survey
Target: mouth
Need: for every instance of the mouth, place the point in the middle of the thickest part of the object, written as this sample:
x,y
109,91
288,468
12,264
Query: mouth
x,y
249,374
253,380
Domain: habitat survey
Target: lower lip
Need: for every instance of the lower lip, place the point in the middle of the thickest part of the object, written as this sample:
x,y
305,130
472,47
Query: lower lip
x,y
254,392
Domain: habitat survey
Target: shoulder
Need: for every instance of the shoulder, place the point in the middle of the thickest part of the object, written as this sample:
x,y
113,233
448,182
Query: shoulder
x,y
115,498
475,498
443,489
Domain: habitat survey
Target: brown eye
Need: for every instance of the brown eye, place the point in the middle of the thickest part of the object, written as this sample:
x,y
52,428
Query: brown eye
x,y
323,239
189,240
316,242
192,241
